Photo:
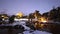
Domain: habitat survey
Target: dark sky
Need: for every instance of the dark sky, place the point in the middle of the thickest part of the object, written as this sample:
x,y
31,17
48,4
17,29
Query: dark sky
x,y
27,6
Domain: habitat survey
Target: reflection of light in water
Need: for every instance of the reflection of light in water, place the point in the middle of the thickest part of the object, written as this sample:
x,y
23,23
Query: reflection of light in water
x,y
42,25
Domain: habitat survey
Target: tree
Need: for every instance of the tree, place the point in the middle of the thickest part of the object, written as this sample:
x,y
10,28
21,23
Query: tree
x,y
31,15
58,13
54,14
37,14
11,19
45,14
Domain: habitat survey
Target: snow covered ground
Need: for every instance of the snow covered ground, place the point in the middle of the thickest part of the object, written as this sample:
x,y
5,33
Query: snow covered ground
x,y
36,32
28,30
33,32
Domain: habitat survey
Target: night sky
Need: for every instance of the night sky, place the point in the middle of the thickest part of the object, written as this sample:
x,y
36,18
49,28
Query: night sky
x,y
27,6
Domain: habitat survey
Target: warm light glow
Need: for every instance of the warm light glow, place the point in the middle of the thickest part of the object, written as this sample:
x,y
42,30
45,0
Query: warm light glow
x,y
43,19
20,14
3,16
42,25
